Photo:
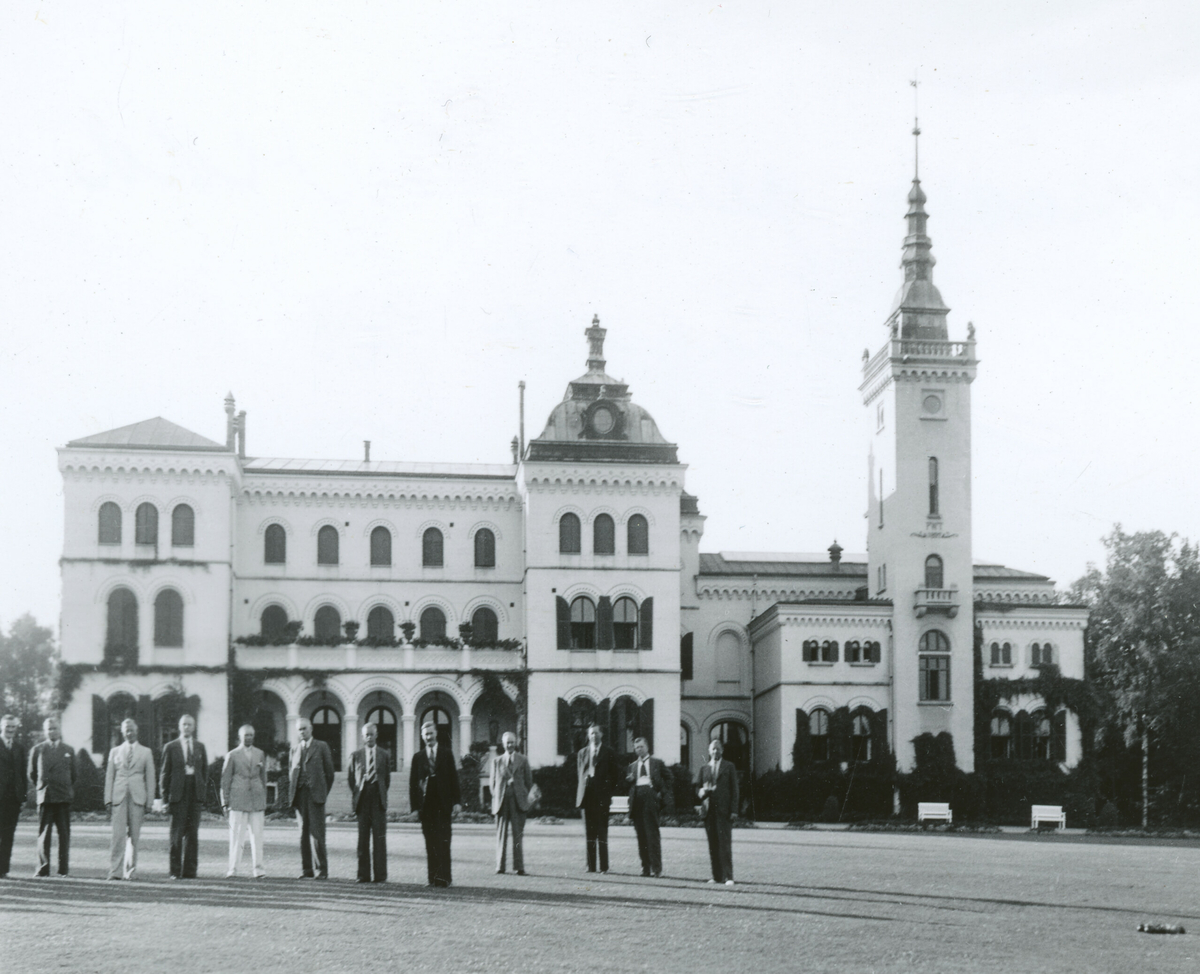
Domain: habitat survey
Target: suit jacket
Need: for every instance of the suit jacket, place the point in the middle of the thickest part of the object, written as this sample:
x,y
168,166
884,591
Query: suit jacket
x,y
174,774
14,774
358,775
723,802
604,776
436,795
318,768
658,780
244,780
52,772
133,776
517,775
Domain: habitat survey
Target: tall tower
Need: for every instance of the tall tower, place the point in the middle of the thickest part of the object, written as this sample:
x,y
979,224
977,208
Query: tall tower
x,y
917,392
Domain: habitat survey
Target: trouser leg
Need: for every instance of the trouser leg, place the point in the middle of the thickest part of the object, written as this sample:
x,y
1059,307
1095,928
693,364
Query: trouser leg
x,y
428,830
654,840
191,838
602,837
46,821
518,837
591,834
502,827
364,844
120,831
714,848
725,832
136,814
62,812
256,841
317,827
237,836
178,828
379,844
8,829
303,809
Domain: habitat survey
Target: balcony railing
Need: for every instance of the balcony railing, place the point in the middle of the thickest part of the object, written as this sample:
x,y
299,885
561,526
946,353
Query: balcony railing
x,y
353,656
921,348
943,600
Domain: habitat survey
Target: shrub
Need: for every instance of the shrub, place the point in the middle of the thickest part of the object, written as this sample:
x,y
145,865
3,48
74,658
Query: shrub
x,y
681,799
1109,817
89,784
557,784
829,813
468,783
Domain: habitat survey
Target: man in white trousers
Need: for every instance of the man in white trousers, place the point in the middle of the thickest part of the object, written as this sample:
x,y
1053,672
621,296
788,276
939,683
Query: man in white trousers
x,y
244,798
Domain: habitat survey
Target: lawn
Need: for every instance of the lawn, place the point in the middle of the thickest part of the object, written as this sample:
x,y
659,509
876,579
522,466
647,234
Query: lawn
x,y
805,901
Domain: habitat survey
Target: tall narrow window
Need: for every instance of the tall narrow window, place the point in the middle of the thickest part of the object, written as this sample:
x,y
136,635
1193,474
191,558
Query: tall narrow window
x,y
431,548
829,651
110,523
433,625
168,618
685,746
933,487
1001,654
568,534
637,535
183,526
1041,736
485,627
818,734
327,625
145,524
273,622
934,575
604,540
860,737
685,656
934,667
1043,654
853,651
485,548
625,620
381,546
275,545
381,624
121,640
583,623
1001,735
881,497
327,545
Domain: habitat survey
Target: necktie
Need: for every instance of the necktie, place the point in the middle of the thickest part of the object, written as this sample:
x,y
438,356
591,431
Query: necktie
x,y
641,769
370,763
187,752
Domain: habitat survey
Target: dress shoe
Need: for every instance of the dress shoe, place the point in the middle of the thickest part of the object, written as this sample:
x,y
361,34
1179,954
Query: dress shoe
x,y
499,872
322,876
590,870
306,876
171,876
379,880
646,873
361,880
657,874
231,875
729,882
520,872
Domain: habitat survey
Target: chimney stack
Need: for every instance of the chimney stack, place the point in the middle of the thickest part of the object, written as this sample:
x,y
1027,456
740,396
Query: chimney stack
x,y
366,451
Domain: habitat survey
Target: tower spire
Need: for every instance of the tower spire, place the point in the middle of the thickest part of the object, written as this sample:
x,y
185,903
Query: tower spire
x,y
595,336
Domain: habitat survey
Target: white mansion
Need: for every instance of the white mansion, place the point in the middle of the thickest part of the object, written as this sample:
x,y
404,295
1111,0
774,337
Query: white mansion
x,y
564,587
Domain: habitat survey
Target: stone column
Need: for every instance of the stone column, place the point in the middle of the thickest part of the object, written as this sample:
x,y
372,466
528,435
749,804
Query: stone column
x,y
350,742
408,739
464,734
293,735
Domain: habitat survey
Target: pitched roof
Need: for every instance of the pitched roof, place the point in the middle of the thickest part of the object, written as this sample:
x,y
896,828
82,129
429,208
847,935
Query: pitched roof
x,y
150,434
766,564
1002,571
379,468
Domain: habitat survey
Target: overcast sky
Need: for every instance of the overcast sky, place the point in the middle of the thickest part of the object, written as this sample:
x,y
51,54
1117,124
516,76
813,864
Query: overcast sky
x,y
370,220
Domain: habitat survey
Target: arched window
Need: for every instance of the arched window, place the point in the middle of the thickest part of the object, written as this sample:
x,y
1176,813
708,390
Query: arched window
x,y
121,640
811,649
110,523
933,572
568,534
933,487
685,746
604,535
431,548
381,546
183,526
385,728
433,625
485,628
381,624
121,706
872,651
818,734
736,742
854,651
168,618
860,737
1001,654
637,535
275,545
145,524
327,727
327,545
625,623
441,720
327,625
829,651
1043,654
934,667
583,623
1002,735
1041,735
485,548
729,658
624,724
273,622
583,712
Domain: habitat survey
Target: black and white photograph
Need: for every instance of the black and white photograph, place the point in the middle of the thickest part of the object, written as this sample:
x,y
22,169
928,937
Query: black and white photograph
x,y
550,487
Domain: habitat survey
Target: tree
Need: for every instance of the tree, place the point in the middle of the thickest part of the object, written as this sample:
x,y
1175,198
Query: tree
x,y
28,662
1144,638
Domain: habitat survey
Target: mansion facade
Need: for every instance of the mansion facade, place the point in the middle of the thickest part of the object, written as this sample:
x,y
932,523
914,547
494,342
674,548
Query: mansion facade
x,y
565,587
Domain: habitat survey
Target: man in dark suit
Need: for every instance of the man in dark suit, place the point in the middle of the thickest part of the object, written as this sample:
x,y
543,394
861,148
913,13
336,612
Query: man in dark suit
x,y
182,786
434,794
14,785
311,766
596,765
370,777
719,795
52,773
648,793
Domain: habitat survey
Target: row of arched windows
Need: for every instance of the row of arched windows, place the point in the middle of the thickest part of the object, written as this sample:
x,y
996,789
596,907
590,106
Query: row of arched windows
x,y
823,734
604,535
121,634
145,525
328,626
1029,737
607,624
1040,654
329,543
826,651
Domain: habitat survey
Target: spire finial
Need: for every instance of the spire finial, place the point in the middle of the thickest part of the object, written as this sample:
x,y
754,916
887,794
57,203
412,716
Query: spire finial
x,y
595,336
916,131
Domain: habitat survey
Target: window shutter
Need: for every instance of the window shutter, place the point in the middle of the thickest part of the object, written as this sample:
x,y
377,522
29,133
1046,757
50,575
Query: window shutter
x,y
646,625
564,623
647,723
839,735
602,715
147,723
1023,734
1058,736
564,725
101,739
879,739
604,623
685,656
874,651
802,749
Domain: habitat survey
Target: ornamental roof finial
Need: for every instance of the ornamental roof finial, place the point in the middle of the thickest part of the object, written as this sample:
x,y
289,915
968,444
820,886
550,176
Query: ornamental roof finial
x,y
595,336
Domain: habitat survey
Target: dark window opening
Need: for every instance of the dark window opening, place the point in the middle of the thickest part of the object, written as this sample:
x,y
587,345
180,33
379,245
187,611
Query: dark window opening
x,y
431,548
168,618
110,523
625,623
433,625
604,540
485,548
327,545
568,534
381,546
183,526
637,535
583,623
145,524
275,545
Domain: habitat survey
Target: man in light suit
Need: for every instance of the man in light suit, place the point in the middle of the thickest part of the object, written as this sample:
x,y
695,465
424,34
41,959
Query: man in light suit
x,y
433,793
182,785
244,799
719,795
128,791
648,793
511,780
14,785
370,777
52,773
596,765
311,766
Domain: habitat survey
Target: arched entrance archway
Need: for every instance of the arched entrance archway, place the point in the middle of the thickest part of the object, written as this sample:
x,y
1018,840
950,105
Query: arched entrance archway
x,y
382,709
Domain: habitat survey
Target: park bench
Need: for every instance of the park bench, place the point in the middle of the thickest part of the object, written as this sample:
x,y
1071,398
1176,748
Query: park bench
x,y
619,806
1048,813
927,811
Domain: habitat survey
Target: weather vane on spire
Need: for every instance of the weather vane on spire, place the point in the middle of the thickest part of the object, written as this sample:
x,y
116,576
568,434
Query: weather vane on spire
x,y
916,131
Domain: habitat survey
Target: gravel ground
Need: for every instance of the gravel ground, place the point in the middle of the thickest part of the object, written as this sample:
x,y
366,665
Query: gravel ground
x,y
805,901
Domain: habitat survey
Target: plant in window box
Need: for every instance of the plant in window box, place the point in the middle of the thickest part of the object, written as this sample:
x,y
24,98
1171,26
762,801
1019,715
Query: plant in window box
x,y
351,628
465,632
290,633
408,628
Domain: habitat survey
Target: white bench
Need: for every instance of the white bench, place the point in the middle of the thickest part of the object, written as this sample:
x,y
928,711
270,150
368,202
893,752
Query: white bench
x,y
927,811
1048,813
619,806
